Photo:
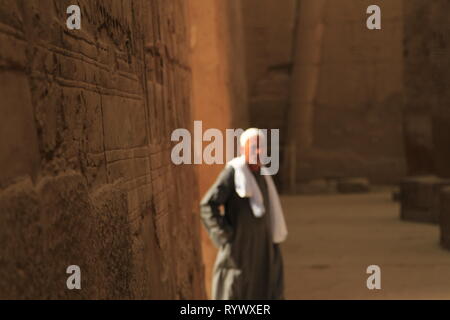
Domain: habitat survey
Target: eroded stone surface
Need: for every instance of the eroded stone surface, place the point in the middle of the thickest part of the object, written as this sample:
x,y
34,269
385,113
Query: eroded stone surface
x,y
86,175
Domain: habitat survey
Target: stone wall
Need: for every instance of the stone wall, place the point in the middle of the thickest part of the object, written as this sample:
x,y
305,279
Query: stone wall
x,y
269,41
427,76
86,177
427,109
219,84
345,116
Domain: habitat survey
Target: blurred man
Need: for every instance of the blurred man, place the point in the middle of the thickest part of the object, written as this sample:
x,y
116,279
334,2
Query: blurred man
x,y
244,218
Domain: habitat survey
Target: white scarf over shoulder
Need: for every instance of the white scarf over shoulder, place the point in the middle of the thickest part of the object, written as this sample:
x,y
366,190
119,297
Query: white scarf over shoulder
x,y
247,187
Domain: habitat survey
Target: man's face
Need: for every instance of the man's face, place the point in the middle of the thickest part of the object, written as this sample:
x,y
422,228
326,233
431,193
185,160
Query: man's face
x,y
252,151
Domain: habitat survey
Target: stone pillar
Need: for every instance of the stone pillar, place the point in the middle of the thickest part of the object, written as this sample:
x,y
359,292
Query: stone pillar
x,y
85,171
427,115
420,198
219,86
346,92
307,59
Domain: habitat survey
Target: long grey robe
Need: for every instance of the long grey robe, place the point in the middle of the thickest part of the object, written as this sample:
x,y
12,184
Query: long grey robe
x,y
249,265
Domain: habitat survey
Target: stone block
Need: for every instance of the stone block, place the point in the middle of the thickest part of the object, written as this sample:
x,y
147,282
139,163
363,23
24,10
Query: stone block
x,y
420,198
395,196
444,217
317,186
353,185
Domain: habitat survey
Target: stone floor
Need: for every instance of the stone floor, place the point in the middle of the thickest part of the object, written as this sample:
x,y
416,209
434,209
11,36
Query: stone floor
x,y
333,239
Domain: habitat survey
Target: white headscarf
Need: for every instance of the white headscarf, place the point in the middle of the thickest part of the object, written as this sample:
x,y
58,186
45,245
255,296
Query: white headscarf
x,y
247,187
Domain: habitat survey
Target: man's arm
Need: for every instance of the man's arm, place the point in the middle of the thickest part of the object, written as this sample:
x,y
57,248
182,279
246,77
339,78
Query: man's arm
x,y
219,230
